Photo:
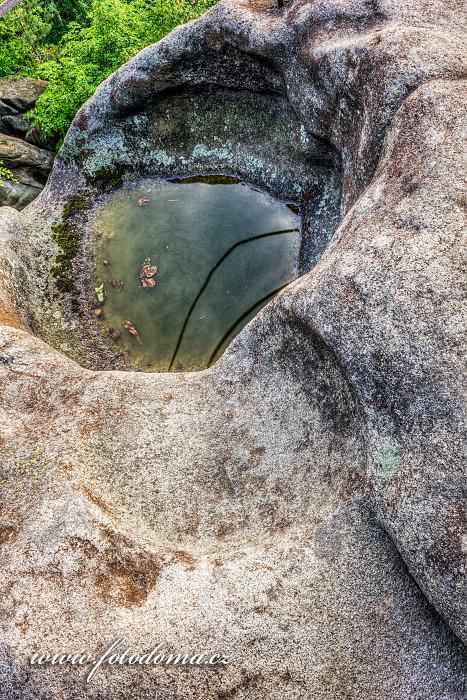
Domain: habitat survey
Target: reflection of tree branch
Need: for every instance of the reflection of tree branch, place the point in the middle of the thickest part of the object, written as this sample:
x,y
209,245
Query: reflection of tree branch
x,y
7,6
243,317
206,281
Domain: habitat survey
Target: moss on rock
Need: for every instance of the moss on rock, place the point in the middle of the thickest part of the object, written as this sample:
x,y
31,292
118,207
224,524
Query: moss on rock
x,y
67,237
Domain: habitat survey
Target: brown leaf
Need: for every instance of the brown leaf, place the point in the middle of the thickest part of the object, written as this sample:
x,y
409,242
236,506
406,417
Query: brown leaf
x,y
130,328
148,270
114,333
147,282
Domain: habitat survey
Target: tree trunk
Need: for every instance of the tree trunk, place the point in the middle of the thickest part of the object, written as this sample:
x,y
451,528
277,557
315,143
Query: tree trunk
x,y
7,6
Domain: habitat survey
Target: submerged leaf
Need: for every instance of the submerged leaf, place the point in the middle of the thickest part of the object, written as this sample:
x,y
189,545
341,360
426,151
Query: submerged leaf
x,y
149,270
146,272
147,282
132,330
114,333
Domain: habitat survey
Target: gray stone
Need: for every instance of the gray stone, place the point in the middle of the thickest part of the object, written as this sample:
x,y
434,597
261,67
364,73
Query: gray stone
x,y
7,109
300,505
30,164
18,194
35,136
16,152
21,94
14,124
30,167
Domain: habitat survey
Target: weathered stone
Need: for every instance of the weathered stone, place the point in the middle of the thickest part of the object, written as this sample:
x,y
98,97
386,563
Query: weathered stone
x,y
18,194
30,167
35,136
13,124
299,506
15,153
7,109
21,94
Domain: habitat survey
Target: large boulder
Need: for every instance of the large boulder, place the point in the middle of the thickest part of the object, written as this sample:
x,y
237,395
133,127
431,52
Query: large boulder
x,y
299,506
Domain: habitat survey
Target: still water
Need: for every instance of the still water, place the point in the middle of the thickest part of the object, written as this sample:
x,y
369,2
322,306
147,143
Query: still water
x,y
221,251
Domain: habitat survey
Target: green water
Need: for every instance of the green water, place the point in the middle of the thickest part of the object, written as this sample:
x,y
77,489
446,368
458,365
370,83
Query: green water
x,y
211,278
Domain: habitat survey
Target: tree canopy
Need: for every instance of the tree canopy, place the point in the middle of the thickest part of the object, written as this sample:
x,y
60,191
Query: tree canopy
x,y
76,44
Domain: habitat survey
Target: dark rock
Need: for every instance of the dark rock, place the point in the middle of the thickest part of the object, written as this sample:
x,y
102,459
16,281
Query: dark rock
x,y
30,167
30,159
7,109
35,136
14,124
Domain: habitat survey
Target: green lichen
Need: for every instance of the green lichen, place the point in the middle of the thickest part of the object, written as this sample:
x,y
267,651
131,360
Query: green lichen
x,y
32,467
201,150
162,158
388,460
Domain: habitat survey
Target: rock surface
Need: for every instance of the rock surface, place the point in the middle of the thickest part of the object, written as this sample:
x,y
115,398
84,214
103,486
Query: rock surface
x,y
30,165
20,95
300,505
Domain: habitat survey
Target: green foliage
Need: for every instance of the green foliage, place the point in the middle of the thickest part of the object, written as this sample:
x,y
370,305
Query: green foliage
x,y
30,32
94,39
100,294
23,34
5,174
65,11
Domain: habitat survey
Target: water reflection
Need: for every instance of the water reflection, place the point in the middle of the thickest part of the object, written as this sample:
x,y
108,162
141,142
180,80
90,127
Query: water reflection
x,y
215,253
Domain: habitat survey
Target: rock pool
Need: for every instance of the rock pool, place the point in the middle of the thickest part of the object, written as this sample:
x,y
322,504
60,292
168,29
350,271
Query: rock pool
x,y
222,250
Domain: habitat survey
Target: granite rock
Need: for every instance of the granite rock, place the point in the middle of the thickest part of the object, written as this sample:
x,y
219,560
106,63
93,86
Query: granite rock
x,y
30,167
299,506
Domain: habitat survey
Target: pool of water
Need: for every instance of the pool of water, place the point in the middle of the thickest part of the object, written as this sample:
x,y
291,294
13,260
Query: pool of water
x,y
222,250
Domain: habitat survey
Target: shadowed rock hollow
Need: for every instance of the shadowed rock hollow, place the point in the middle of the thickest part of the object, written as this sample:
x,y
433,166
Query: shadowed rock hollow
x,y
299,505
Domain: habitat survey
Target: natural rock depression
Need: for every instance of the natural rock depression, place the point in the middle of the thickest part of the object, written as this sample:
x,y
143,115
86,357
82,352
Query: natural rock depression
x,y
223,250
297,507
